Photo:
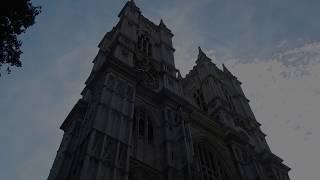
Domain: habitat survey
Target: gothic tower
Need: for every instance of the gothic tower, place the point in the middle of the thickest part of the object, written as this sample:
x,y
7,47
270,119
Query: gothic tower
x,y
138,119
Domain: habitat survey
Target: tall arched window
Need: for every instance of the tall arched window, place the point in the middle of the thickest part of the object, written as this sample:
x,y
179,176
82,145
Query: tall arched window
x,y
143,126
144,44
229,99
211,165
199,99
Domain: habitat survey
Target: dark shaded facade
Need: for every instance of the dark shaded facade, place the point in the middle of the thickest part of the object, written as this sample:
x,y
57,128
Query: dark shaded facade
x,y
138,119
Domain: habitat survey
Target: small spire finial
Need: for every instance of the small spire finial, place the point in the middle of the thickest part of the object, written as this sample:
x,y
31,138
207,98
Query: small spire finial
x,y
133,3
202,56
130,4
225,69
162,23
201,53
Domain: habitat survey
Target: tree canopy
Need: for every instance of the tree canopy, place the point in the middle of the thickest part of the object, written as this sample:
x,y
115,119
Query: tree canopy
x,y
15,17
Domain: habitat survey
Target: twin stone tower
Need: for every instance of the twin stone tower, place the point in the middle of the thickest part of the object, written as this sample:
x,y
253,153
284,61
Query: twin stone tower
x,y
138,119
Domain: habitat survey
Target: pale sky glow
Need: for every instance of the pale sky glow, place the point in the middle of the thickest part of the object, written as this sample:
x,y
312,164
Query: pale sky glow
x,y
273,47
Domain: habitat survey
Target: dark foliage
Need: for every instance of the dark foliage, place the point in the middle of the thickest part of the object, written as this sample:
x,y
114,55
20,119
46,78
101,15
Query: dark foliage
x,y
15,17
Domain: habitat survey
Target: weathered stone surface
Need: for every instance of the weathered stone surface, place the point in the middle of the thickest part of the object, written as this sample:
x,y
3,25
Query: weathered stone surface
x,y
140,120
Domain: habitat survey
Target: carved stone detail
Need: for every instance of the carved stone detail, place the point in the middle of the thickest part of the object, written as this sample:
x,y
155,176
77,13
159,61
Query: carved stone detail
x,y
122,156
109,150
97,144
147,73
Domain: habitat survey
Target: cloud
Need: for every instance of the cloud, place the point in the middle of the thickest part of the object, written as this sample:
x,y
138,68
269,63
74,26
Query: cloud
x,y
282,93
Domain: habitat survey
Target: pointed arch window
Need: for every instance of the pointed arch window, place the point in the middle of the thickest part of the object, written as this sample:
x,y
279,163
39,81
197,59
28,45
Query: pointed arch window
x,y
211,165
229,99
143,126
199,99
144,44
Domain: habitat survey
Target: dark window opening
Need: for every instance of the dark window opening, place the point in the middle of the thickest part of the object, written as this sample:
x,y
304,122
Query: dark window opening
x,y
142,126
150,134
144,44
199,98
210,165
229,99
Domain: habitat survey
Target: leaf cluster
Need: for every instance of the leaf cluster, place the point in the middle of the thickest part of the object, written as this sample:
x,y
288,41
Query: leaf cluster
x,y
15,17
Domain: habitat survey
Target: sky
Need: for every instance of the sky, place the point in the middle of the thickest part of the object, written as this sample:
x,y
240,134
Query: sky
x,y
273,47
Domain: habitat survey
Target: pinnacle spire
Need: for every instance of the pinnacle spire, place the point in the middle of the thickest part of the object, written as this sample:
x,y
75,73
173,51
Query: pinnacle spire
x,y
161,24
133,3
130,4
226,70
202,56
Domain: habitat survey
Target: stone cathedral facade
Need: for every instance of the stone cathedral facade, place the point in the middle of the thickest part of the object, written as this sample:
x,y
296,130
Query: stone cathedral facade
x,y
138,119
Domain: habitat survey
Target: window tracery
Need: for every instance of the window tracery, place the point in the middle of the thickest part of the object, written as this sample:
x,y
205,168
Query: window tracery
x,y
144,44
199,99
143,126
211,165
229,99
